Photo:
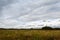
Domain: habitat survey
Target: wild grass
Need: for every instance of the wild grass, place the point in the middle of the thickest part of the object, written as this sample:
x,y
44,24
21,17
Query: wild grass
x,y
29,34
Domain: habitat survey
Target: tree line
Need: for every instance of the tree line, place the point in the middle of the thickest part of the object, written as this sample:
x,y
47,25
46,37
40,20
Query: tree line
x,y
49,28
43,28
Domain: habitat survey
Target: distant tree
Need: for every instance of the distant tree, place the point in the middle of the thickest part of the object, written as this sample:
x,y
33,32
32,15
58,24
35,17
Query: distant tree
x,y
56,28
47,28
1,28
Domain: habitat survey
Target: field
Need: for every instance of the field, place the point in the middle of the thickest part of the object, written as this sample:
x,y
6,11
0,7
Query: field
x,y
29,34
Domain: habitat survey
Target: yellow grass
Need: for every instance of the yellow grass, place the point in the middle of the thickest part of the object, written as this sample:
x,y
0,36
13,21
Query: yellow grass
x,y
29,34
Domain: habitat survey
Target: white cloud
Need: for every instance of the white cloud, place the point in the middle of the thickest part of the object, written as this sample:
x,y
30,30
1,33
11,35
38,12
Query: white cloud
x,y
19,12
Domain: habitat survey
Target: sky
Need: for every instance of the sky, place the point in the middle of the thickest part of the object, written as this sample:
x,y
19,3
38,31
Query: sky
x,y
21,13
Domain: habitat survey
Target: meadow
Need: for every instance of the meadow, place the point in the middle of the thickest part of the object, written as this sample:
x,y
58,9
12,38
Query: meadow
x,y
29,34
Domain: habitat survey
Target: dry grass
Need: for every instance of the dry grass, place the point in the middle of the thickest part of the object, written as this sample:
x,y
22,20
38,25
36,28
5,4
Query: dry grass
x,y
29,34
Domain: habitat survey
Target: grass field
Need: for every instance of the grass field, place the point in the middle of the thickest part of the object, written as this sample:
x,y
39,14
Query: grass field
x,y
29,34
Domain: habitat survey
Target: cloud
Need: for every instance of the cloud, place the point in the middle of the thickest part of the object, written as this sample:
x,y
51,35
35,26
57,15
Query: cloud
x,y
20,12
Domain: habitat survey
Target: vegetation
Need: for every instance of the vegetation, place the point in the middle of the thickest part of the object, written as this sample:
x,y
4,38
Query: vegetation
x,y
43,28
47,28
46,33
29,34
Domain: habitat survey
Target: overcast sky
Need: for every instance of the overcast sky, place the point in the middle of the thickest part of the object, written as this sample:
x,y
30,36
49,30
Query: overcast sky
x,y
14,13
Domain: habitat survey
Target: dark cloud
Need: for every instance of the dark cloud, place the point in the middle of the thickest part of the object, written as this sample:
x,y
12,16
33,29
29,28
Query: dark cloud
x,y
5,2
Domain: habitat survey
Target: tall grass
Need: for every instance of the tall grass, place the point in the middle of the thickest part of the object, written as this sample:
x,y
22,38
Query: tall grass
x,y
29,34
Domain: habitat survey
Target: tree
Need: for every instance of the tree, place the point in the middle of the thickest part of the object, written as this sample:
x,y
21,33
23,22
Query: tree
x,y
47,28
